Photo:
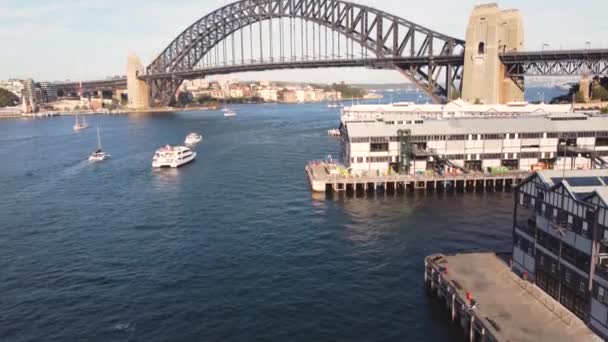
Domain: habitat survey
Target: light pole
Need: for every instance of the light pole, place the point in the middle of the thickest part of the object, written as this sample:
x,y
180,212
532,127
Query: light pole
x,y
544,46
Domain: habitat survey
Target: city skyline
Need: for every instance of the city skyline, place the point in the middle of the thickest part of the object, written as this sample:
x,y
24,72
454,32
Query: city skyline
x,y
90,40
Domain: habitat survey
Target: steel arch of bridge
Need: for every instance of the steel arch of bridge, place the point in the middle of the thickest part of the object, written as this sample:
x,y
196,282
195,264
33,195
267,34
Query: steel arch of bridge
x,y
430,59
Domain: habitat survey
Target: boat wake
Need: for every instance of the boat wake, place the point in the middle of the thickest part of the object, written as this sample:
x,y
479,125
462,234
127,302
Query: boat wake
x,y
123,327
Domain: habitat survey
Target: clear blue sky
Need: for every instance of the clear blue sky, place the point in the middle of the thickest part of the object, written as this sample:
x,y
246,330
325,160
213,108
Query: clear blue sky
x,y
89,39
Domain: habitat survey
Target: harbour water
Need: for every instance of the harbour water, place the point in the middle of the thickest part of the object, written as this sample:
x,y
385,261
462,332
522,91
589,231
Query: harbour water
x,y
232,247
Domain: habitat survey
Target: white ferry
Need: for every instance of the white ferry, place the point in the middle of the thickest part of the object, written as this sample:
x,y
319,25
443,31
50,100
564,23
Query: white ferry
x,y
172,156
193,138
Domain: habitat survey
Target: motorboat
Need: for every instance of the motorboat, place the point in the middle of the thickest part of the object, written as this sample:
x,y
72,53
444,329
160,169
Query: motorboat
x,y
172,156
80,125
193,138
229,113
99,154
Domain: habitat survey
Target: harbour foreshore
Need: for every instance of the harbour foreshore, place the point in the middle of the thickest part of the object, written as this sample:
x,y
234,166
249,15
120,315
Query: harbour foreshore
x,y
491,303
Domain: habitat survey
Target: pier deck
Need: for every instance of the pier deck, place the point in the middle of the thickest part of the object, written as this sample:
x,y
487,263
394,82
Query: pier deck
x,y
510,308
322,181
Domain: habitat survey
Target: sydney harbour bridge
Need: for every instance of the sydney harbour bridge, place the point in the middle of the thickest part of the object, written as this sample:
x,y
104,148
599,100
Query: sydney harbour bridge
x,y
257,35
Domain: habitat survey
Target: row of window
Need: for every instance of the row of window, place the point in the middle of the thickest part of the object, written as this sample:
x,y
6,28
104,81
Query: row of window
x,y
384,159
491,136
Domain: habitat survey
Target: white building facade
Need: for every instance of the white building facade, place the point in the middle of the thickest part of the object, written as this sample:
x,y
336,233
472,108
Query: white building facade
x,y
454,109
523,143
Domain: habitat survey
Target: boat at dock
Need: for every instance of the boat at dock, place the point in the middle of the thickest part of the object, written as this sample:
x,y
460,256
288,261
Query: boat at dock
x,y
172,156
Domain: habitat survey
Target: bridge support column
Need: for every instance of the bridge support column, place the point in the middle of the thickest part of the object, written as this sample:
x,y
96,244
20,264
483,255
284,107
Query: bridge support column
x,y
584,86
137,89
491,32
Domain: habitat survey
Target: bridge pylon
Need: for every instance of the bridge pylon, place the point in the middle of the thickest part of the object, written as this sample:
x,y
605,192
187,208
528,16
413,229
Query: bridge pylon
x,y
138,90
492,31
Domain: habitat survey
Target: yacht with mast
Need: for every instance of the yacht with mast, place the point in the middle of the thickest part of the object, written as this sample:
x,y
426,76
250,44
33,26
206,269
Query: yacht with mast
x,y
80,125
99,155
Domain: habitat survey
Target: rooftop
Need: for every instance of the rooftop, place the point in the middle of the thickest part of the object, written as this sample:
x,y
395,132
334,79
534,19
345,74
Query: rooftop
x,y
455,126
585,182
460,106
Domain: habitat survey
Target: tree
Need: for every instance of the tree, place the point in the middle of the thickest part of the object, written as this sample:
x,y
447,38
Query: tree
x,y
7,98
604,110
184,98
599,92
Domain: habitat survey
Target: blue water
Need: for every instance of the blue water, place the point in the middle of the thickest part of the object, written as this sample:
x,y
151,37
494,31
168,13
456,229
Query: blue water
x,y
232,247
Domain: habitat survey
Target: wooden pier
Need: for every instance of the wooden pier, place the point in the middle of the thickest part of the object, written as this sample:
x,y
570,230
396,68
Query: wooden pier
x,y
322,181
481,294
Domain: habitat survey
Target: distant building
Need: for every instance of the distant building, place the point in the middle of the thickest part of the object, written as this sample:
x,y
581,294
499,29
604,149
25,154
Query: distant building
x,y
194,85
15,86
49,91
560,240
31,96
290,96
268,94
454,109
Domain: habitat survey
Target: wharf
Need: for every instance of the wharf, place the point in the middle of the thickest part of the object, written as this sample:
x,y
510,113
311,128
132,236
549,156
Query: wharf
x,y
491,303
322,181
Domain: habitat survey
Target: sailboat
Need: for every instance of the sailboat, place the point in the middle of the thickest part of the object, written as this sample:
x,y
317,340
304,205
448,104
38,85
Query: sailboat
x,y
80,125
99,155
227,111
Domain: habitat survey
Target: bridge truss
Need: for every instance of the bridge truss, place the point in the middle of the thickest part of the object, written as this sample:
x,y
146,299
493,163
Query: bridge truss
x,y
255,35
556,63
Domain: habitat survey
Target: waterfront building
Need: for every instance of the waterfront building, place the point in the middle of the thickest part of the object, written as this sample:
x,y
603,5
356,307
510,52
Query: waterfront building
x,y
409,144
31,96
454,109
560,240
49,91
268,94
290,96
15,86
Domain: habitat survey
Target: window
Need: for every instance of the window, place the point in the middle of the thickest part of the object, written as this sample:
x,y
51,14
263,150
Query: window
x,y
378,147
581,286
568,277
359,159
600,294
481,49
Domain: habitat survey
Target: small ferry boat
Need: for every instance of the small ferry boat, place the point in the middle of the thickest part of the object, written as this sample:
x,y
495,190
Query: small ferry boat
x,y
80,125
193,138
172,156
99,155
333,132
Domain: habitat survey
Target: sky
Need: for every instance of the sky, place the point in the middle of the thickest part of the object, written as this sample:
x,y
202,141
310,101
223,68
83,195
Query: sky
x,y
90,39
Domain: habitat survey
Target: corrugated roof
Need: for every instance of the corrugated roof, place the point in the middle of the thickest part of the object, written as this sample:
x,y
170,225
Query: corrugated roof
x,y
479,126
